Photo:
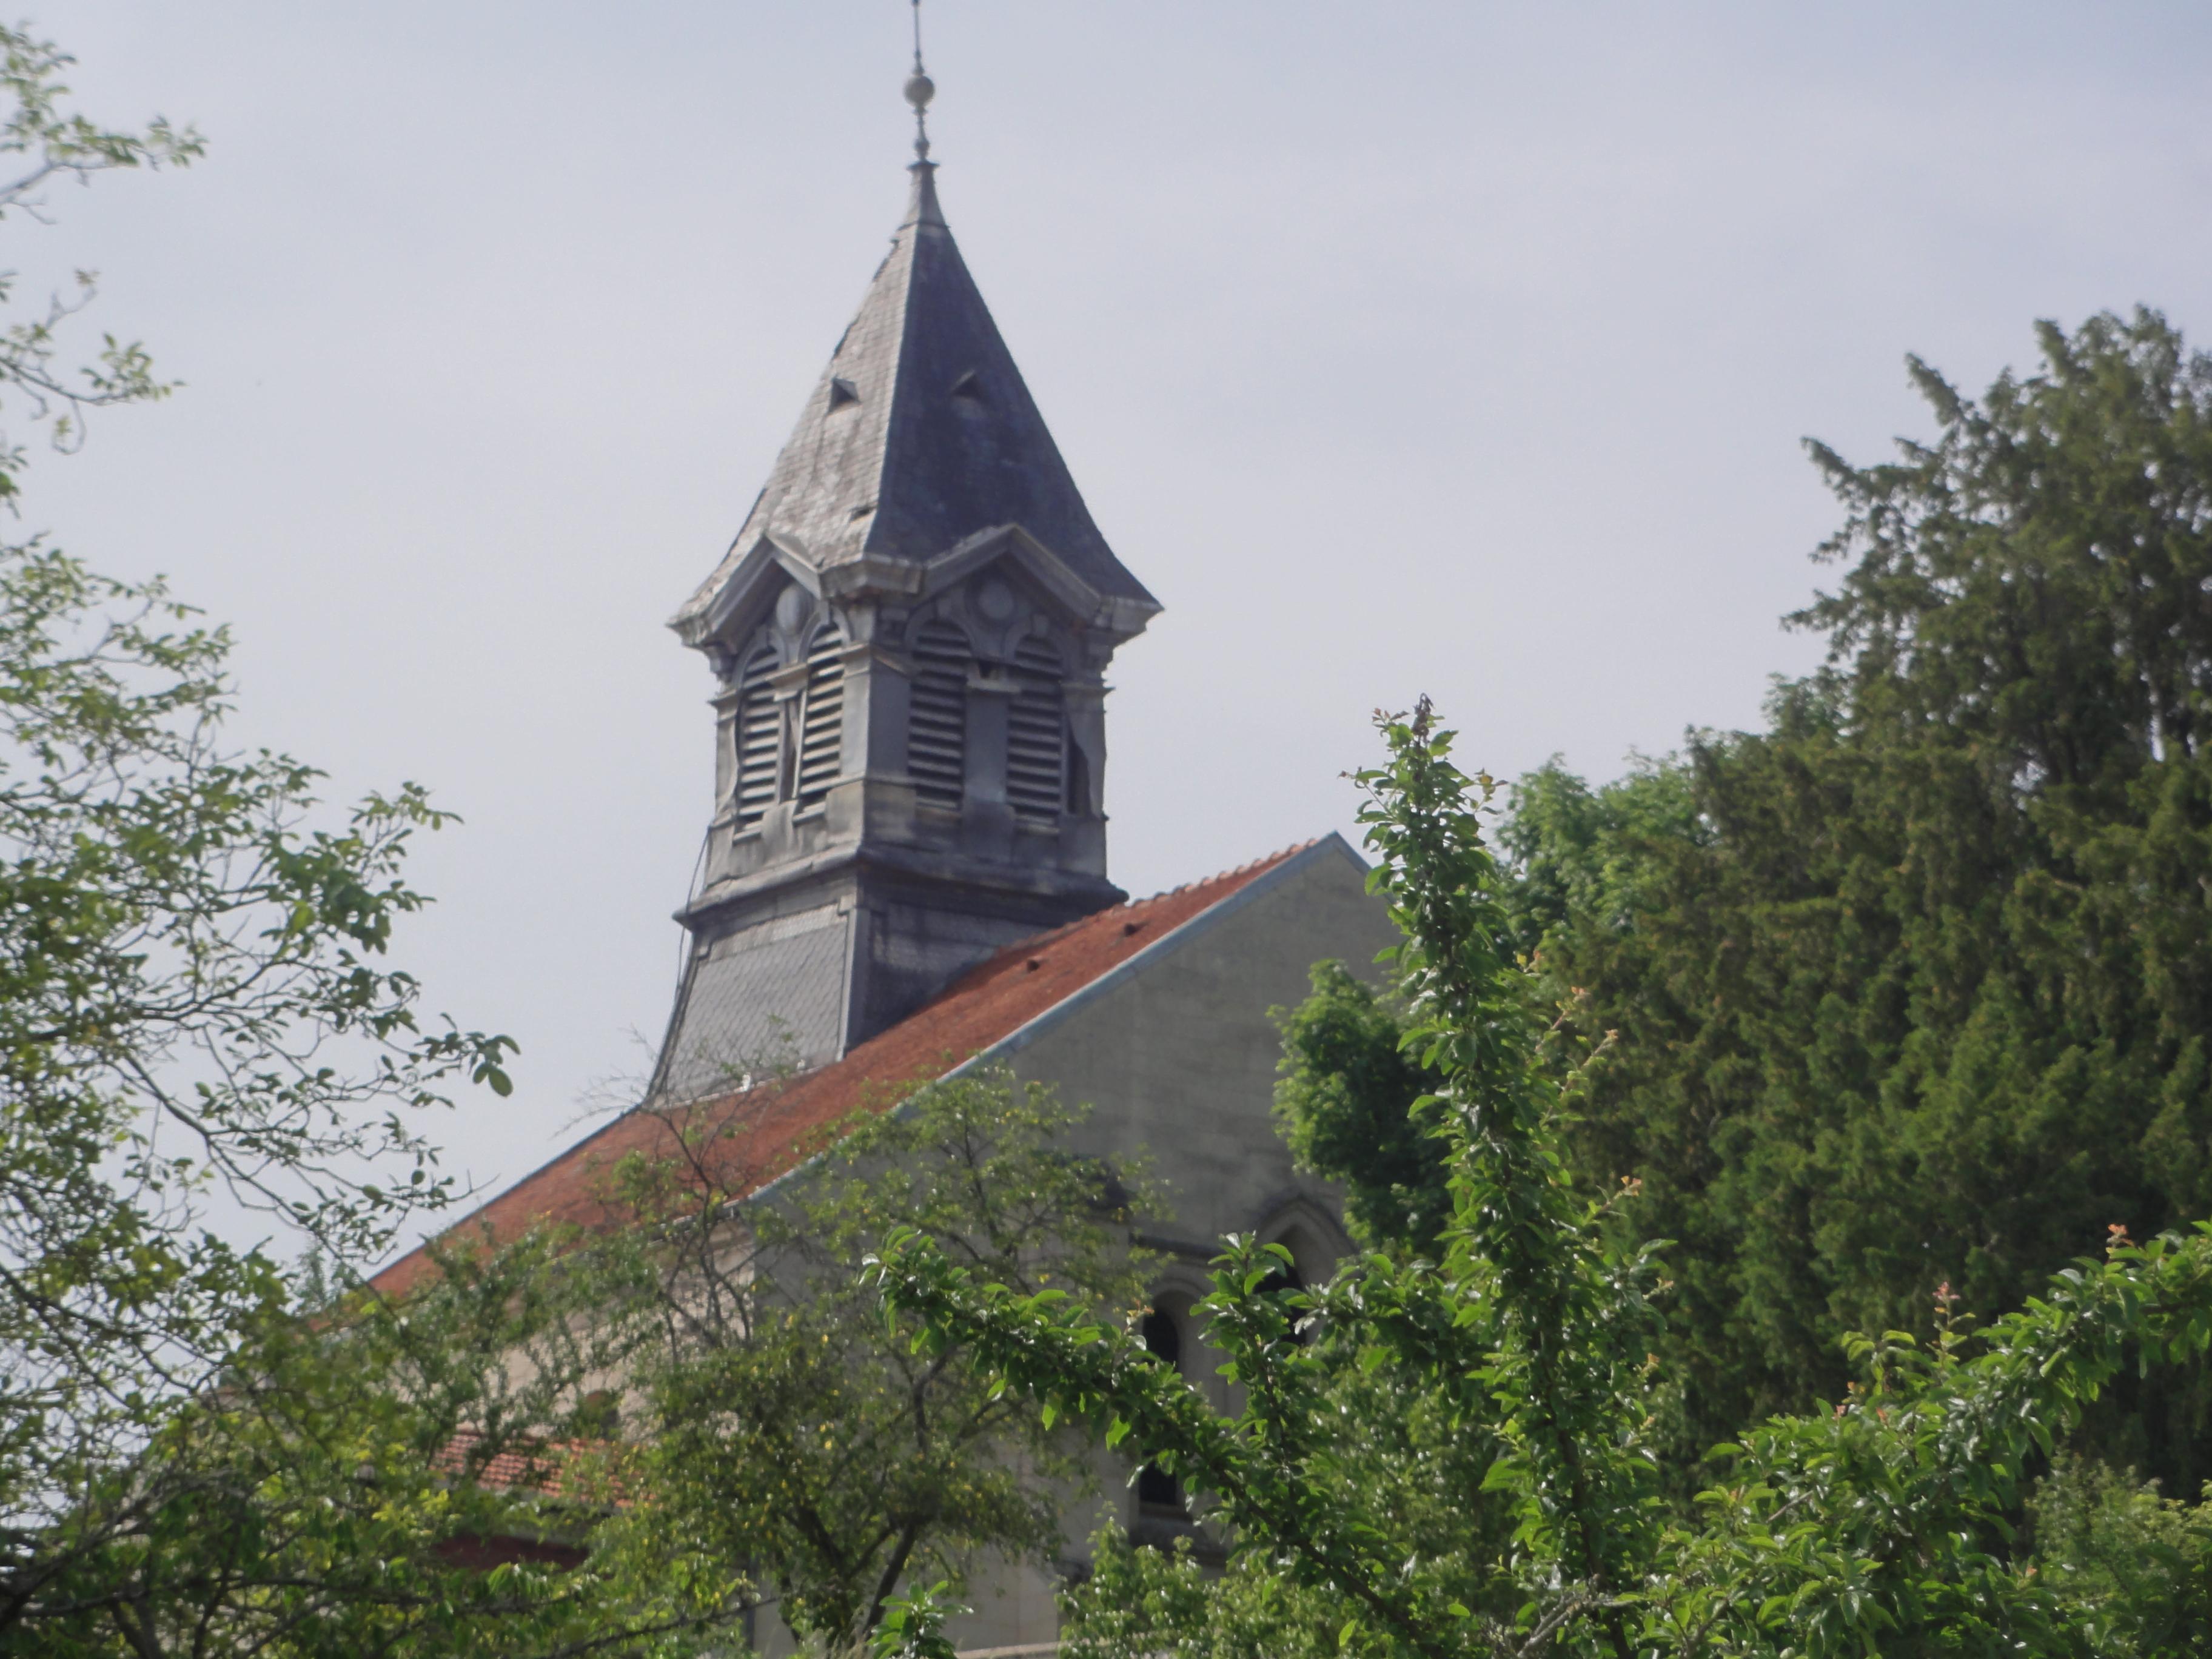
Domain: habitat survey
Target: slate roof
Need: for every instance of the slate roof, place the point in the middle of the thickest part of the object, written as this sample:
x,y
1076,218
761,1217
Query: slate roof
x,y
985,1012
777,987
921,433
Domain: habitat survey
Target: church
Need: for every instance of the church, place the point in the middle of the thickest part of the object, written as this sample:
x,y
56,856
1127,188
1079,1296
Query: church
x,y
906,871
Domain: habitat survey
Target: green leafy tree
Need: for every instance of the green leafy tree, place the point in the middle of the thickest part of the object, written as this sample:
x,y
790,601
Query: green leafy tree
x,y
782,1448
914,1627
378,1480
208,1065
1347,1106
1923,997
2134,1567
1879,1525
50,143
1914,986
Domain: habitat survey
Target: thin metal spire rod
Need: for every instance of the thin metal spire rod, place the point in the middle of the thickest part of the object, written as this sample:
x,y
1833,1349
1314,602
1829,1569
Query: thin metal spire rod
x,y
919,89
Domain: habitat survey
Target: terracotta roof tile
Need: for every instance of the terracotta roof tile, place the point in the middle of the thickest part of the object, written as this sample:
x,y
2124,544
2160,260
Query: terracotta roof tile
x,y
786,1119
538,1469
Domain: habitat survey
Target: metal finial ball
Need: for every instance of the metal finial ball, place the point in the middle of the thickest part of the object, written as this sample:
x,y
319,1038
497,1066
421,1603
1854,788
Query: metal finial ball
x,y
919,89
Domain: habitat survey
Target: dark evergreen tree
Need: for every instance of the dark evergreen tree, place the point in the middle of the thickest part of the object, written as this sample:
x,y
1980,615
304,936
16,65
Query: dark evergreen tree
x,y
1914,986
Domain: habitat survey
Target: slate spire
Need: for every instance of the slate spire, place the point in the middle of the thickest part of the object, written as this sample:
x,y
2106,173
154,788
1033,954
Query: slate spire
x,y
920,434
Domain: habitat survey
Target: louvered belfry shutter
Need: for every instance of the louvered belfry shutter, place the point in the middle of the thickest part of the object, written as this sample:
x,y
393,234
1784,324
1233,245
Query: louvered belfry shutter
x,y
821,733
937,715
758,728
1036,735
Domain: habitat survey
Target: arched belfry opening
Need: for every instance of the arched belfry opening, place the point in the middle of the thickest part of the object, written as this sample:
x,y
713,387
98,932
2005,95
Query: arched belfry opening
x,y
936,715
1037,736
757,735
911,634
822,716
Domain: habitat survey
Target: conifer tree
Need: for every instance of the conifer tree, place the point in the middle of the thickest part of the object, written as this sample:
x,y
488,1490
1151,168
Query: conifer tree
x,y
1914,986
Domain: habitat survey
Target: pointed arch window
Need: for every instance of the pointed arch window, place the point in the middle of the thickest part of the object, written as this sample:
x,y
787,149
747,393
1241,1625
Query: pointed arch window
x,y
1036,735
936,715
1159,1492
821,716
757,735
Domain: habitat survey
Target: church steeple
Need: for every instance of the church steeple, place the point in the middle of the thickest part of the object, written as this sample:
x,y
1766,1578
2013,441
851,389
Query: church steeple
x,y
910,633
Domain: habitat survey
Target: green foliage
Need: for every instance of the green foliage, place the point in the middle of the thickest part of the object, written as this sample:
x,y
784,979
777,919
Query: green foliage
x,y
59,144
203,1044
1345,1105
2134,1569
782,1441
1915,985
193,1005
1882,1525
1920,989
328,1497
914,1625
1139,1602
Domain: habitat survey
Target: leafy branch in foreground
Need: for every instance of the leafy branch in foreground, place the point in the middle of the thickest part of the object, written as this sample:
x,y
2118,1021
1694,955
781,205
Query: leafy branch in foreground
x,y
200,1043
207,1065
384,1480
191,1004
1450,1457
59,144
781,1436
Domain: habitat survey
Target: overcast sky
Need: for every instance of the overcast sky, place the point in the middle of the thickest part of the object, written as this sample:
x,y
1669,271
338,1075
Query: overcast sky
x,y
1397,346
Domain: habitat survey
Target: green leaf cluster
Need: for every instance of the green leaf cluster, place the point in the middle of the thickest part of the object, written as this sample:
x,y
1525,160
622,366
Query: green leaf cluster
x,y
372,1480
41,142
1915,986
1912,986
779,1438
1352,1104
208,1066
1454,1453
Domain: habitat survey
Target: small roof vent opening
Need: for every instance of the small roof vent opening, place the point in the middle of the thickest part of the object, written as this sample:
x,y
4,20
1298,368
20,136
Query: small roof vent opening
x,y
862,510
841,392
970,386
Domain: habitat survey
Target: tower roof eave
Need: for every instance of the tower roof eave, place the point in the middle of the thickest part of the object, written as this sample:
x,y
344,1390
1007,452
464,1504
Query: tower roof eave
x,y
756,575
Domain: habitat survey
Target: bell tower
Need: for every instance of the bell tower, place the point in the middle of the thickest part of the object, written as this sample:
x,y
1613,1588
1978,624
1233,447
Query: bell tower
x,y
909,637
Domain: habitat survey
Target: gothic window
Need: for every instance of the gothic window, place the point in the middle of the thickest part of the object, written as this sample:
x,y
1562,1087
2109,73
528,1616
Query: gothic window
x,y
822,718
1036,735
1158,1491
936,715
1289,1276
757,735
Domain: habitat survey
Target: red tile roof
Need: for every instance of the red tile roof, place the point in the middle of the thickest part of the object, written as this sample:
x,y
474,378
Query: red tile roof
x,y
786,1119
537,1467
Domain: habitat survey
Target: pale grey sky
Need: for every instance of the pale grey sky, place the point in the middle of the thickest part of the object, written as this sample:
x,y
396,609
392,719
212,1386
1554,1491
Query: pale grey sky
x,y
1398,347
